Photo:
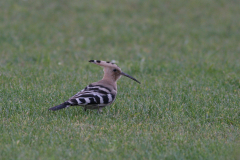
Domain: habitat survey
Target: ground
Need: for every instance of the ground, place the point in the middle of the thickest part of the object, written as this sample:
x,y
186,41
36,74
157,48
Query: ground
x,y
186,55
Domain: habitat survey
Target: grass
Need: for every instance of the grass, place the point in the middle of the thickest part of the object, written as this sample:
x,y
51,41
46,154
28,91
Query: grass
x,y
185,53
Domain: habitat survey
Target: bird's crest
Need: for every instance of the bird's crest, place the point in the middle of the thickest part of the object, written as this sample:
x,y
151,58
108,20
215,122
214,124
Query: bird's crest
x,y
104,63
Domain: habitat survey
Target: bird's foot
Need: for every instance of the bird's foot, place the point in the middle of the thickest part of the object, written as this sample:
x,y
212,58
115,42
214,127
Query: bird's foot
x,y
99,110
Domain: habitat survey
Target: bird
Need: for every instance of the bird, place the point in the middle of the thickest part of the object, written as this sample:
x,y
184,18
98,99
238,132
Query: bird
x,y
99,94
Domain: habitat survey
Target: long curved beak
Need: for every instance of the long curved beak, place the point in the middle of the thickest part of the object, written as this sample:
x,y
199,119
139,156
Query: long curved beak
x,y
125,74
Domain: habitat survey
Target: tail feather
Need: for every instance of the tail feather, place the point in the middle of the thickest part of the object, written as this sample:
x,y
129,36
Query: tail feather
x,y
61,106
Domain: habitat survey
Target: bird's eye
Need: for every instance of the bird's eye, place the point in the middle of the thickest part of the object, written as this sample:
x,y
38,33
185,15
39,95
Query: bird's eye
x,y
114,70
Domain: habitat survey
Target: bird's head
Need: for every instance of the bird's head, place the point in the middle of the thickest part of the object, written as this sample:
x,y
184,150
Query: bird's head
x,y
111,71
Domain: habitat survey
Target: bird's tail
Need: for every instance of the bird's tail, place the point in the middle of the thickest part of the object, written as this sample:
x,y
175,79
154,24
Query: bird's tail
x,y
61,106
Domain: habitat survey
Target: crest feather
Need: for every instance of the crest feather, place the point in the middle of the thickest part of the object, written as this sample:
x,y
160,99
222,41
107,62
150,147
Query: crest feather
x,y
104,63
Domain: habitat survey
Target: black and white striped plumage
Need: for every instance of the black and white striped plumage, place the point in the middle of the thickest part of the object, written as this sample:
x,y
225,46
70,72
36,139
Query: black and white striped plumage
x,y
92,97
98,94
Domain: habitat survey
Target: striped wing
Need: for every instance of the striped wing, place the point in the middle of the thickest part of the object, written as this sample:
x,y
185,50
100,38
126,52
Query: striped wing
x,y
93,95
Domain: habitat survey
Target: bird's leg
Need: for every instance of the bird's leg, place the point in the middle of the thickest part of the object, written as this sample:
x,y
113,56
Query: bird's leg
x,y
85,109
99,110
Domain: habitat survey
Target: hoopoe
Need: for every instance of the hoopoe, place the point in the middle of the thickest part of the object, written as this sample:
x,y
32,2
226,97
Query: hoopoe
x,y
98,94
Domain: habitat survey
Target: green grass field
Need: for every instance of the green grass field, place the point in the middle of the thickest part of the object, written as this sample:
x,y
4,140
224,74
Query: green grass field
x,y
185,53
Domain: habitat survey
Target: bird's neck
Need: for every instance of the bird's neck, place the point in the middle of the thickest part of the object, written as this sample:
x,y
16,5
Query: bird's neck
x,y
109,81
